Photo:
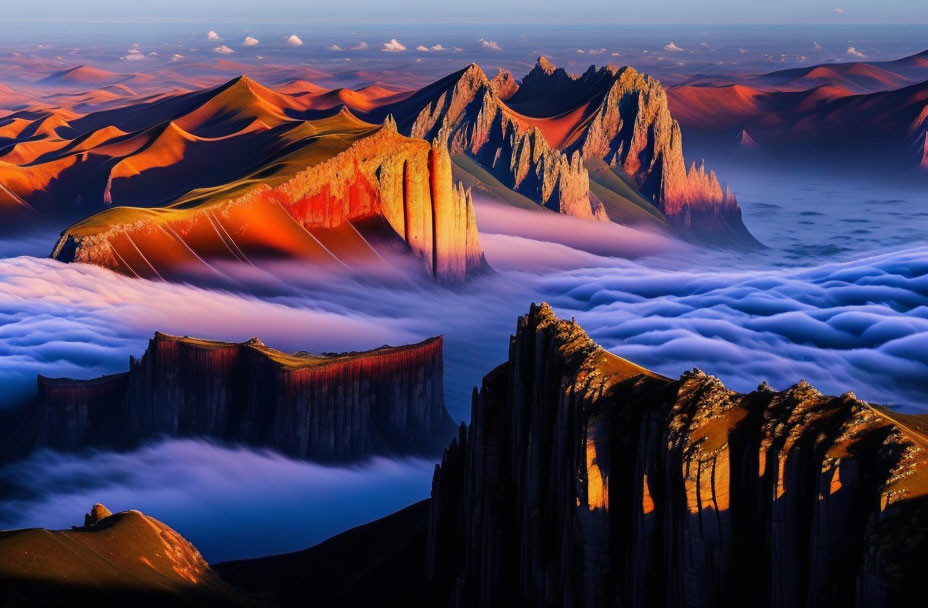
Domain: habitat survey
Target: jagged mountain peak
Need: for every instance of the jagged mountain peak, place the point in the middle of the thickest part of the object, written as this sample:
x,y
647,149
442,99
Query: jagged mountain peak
x,y
544,65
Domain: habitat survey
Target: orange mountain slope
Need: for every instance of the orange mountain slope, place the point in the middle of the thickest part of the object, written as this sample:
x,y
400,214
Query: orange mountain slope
x,y
346,195
113,560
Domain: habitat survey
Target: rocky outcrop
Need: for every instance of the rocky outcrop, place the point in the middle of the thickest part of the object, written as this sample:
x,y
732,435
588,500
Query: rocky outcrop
x,y
384,187
122,559
467,109
333,407
584,480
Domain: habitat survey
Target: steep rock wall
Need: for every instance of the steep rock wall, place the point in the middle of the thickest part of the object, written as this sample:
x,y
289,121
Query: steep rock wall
x,y
471,115
405,182
327,408
584,480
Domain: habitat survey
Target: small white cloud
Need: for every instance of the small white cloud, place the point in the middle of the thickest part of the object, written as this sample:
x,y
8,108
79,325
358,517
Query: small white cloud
x,y
422,49
419,60
294,40
133,54
223,50
394,46
212,35
489,45
816,46
581,51
616,54
672,47
333,47
840,11
153,54
704,44
250,41
457,49
854,52
437,47
599,51
176,57
743,51
359,46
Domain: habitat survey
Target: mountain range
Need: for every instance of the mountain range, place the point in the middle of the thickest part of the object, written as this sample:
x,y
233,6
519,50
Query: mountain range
x,y
872,115
600,146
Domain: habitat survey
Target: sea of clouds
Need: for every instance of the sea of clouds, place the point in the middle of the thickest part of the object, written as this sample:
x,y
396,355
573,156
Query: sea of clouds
x,y
843,323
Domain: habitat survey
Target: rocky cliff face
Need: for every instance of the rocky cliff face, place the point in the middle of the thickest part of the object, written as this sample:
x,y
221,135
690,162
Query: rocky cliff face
x,y
534,136
628,123
327,408
468,110
584,480
382,183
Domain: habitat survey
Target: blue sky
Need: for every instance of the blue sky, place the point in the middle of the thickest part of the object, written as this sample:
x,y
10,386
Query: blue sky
x,y
475,11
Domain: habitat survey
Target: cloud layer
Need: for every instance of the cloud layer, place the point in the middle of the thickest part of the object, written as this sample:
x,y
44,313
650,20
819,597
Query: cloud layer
x,y
860,325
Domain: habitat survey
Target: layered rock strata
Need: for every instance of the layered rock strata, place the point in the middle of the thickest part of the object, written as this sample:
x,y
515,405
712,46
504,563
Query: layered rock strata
x,y
384,187
584,480
333,407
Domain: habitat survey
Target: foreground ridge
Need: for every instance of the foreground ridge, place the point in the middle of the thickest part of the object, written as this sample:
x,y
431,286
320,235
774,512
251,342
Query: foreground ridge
x,y
112,560
584,480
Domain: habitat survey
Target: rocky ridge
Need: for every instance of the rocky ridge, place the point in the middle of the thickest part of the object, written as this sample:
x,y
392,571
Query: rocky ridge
x,y
381,178
584,480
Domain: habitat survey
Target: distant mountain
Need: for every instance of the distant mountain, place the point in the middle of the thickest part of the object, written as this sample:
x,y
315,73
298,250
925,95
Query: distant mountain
x,y
538,135
598,146
826,124
855,76
122,559
81,75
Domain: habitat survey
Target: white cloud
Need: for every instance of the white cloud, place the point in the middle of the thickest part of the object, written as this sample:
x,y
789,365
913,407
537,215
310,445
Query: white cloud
x,y
393,46
250,41
840,11
176,57
422,49
672,47
816,46
490,45
133,54
457,49
743,51
854,52
581,51
333,47
438,47
704,44
359,46
223,50
616,54
212,35
294,40
599,51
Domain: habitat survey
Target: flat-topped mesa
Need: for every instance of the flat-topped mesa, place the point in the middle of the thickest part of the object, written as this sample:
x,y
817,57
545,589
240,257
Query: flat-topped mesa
x,y
585,480
383,192
332,407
